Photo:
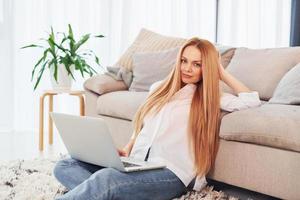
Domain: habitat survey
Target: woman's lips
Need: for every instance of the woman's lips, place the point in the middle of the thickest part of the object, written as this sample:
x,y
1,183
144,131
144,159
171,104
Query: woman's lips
x,y
186,76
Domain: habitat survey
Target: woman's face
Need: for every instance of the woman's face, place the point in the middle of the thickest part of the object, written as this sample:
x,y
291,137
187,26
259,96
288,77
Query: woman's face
x,y
190,65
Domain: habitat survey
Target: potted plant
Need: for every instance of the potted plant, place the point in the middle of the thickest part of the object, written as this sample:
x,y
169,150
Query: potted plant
x,y
63,58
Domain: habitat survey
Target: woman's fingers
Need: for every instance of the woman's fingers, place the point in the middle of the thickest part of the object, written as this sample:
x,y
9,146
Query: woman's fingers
x,y
122,153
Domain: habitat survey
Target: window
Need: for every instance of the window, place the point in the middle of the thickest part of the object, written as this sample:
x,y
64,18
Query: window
x,y
254,23
1,11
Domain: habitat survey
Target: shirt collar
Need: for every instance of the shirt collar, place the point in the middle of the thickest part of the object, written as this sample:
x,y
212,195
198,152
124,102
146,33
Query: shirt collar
x,y
186,92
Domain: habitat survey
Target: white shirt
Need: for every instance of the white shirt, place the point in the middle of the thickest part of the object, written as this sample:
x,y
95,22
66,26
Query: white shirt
x,y
166,132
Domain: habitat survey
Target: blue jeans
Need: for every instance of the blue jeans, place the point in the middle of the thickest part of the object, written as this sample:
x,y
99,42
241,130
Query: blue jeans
x,y
91,182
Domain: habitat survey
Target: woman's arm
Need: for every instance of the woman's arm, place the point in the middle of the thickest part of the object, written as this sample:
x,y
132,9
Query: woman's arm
x,y
231,81
245,97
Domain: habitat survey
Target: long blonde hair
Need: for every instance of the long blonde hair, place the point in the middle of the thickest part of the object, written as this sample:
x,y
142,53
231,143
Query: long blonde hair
x,y
203,126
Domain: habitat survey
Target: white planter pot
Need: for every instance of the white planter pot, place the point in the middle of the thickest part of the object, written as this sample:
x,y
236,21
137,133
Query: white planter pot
x,y
64,81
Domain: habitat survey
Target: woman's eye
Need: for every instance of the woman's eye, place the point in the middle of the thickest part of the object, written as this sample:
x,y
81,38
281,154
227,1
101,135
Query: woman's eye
x,y
183,61
197,65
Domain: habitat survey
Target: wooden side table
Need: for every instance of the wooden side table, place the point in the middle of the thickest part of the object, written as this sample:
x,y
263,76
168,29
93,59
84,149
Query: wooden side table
x,y
50,94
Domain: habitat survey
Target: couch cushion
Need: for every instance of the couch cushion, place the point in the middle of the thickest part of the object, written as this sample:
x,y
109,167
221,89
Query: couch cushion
x,y
271,125
120,104
102,83
262,69
124,104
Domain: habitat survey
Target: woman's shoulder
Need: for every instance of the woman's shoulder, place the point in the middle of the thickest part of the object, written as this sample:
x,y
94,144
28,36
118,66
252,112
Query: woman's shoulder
x,y
155,85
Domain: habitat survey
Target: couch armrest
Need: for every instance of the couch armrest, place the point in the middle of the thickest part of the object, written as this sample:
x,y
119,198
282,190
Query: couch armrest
x,y
91,103
103,83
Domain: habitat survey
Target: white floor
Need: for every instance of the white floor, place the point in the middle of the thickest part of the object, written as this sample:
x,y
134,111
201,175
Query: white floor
x,y
20,145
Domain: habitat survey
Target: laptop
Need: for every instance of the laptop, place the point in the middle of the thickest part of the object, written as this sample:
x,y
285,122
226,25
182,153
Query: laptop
x,y
88,139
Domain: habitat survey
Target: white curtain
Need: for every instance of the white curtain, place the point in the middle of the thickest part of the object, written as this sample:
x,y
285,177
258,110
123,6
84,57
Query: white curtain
x,y
248,23
6,67
25,21
254,23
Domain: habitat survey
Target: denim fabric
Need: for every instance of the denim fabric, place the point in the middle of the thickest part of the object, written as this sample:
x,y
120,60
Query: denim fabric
x,y
90,182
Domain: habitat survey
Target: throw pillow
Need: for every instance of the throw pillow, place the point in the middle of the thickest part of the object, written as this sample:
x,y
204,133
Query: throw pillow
x,y
103,83
120,74
151,67
288,89
148,41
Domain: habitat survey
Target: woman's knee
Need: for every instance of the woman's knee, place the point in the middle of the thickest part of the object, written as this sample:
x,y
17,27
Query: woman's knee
x,y
105,183
106,174
62,166
106,178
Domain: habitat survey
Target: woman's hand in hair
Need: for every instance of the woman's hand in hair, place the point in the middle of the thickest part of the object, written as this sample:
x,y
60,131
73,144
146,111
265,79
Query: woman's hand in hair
x,y
232,82
221,68
221,71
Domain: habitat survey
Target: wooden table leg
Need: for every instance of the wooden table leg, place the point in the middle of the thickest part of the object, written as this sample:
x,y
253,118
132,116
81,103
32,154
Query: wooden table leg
x,y
81,104
82,109
41,131
50,122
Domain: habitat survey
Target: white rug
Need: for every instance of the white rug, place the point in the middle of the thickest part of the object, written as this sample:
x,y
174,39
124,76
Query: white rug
x,y
33,180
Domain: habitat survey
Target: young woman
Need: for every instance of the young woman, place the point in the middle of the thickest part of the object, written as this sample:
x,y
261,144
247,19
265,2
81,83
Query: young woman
x,y
178,125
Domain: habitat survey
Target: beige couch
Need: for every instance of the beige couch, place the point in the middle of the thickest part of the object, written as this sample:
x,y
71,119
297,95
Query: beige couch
x,y
259,147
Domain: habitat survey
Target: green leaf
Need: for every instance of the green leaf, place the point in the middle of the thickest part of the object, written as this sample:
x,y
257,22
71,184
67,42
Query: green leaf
x,y
62,34
63,40
70,31
81,41
69,71
40,75
92,69
38,63
60,47
79,65
72,40
97,60
50,63
55,70
99,36
52,32
51,39
51,43
87,54
66,60
32,45
52,53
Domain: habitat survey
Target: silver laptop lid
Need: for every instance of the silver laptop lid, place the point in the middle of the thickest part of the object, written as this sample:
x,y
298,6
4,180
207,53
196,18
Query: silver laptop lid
x,y
87,139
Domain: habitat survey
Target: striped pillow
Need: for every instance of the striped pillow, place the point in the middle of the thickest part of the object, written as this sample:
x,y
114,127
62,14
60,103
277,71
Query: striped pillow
x,y
148,41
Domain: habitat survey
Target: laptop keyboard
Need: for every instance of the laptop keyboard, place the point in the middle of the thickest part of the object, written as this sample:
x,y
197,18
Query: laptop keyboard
x,y
127,164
